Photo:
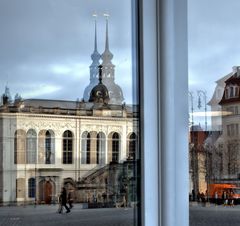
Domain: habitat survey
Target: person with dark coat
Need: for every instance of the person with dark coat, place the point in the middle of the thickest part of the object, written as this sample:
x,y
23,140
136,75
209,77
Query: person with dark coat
x,y
70,199
193,195
63,200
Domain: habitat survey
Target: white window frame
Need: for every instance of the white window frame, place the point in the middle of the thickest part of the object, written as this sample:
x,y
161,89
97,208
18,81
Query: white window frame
x,y
164,117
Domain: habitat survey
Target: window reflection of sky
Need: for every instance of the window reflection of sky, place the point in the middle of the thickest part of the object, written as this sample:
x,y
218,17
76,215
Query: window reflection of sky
x,y
50,42
213,47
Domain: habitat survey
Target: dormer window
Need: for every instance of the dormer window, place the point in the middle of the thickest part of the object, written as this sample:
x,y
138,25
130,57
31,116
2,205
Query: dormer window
x,y
236,91
232,91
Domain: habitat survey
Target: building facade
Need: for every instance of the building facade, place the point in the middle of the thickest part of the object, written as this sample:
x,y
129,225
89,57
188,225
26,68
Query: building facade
x,y
88,146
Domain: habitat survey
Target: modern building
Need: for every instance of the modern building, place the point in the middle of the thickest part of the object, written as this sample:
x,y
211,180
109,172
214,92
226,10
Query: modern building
x,y
88,146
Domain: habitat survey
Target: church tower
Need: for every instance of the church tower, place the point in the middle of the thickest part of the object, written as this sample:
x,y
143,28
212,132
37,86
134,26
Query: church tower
x,y
115,91
96,56
108,71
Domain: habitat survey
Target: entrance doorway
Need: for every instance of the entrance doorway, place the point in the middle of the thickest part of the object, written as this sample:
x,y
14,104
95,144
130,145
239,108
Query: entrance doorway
x,y
46,189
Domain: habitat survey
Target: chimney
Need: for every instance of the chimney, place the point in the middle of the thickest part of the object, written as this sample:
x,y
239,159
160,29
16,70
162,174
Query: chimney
x,y
236,69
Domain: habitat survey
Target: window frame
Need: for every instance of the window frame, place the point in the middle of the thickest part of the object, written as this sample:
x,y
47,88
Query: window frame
x,y
164,128
67,147
31,147
48,147
115,143
88,148
31,187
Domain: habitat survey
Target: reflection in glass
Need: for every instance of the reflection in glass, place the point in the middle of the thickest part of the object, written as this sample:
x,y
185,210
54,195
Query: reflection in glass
x,y
74,120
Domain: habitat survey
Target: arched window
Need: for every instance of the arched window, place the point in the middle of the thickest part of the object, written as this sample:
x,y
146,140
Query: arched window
x,y
20,147
236,91
49,148
231,91
31,187
67,147
100,158
132,146
86,144
115,147
31,146
88,149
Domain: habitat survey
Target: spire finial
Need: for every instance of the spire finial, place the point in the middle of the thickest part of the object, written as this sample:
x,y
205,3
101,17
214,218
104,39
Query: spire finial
x,y
106,15
95,39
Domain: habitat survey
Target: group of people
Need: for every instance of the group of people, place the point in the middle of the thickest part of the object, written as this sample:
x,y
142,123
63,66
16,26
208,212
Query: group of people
x,y
63,199
200,197
227,197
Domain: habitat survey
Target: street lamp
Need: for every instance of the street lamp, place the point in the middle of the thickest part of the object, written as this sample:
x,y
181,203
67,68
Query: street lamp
x,y
192,148
203,94
192,109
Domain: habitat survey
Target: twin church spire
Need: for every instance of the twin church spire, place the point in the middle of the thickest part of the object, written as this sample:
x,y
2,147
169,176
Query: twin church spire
x,y
108,69
96,56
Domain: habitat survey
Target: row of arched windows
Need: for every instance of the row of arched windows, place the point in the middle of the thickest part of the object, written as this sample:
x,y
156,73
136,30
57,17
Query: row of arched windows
x,y
95,147
26,146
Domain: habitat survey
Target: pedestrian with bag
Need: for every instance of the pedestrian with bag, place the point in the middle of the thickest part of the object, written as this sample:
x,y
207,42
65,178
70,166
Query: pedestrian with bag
x,y
63,201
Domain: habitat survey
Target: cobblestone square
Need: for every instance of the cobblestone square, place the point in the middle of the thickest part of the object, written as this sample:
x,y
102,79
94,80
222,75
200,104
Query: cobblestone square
x,y
214,215
47,215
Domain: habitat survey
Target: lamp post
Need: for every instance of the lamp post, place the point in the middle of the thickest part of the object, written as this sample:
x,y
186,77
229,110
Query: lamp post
x,y
192,109
203,94
192,149
207,147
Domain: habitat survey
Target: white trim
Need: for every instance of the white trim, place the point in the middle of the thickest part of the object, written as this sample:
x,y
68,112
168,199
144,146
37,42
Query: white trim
x,y
149,114
165,112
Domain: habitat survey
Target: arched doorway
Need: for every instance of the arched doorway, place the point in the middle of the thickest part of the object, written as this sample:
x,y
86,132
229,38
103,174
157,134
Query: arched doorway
x,y
46,188
47,192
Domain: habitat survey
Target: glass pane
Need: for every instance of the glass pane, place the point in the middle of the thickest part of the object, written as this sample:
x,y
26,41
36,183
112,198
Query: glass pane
x,y
214,101
69,120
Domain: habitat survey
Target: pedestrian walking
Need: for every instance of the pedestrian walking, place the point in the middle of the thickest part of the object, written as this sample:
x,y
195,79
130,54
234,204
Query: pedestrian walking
x,y
231,199
216,198
203,198
60,207
63,200
70,199
198,196
225,198
193,195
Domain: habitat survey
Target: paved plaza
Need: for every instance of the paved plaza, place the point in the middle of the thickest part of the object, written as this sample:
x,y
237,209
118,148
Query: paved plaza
x,y
214,216
47,215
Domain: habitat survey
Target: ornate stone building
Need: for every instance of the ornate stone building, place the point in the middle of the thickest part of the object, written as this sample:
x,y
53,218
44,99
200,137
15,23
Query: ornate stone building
x,y
89,146
224,144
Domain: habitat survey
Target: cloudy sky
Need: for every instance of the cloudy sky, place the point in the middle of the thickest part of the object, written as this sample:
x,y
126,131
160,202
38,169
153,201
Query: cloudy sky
x,y
46,45
214,47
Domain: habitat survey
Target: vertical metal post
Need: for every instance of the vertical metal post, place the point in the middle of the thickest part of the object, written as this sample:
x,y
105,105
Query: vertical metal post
x,y
203,94
192,109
